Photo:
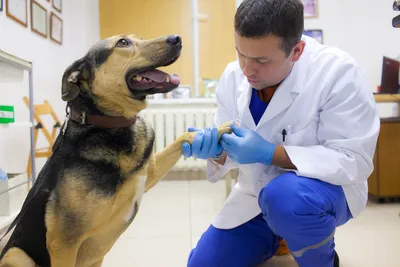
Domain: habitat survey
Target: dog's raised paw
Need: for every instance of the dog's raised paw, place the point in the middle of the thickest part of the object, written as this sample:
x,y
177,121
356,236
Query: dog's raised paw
x,y
188,137
227,124
222,129
225,128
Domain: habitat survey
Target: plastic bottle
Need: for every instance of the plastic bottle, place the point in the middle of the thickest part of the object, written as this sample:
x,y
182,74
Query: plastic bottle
x,y
3,175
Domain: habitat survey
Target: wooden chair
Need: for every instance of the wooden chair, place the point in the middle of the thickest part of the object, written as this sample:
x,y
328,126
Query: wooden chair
x,y
40,110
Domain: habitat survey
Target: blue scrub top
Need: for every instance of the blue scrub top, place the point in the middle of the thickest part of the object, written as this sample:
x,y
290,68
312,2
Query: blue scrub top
x,y
257,106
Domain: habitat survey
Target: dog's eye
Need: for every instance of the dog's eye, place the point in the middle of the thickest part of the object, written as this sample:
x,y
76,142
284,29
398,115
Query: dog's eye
x,y
123,43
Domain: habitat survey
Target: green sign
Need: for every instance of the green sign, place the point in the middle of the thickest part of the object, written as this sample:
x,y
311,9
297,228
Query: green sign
x,y
6,114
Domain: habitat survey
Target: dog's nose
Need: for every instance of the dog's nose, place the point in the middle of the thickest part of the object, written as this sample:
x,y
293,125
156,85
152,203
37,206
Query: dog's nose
x,y
174,39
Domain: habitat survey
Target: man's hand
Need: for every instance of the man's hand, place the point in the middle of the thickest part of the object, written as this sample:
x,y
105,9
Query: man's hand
x,y
247,147
204,146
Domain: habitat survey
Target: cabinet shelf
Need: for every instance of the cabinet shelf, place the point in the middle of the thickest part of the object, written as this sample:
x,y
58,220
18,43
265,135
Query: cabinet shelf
x,y
14,190
384,182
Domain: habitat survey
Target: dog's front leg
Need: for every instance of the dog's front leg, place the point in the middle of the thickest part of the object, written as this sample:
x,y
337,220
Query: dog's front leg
x,y
63,237
16,257
63,252
162,162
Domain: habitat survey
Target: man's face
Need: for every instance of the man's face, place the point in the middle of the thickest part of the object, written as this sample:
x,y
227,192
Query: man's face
x,y
263,60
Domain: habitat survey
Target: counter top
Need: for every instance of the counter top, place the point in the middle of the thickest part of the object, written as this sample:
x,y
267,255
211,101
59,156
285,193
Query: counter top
x,y
392,119
17,124
386,98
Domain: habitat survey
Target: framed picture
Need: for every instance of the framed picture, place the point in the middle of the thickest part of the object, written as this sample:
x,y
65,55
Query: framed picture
x,y
316,34
38,19
18,10
57,5
56,28
310,8
1,5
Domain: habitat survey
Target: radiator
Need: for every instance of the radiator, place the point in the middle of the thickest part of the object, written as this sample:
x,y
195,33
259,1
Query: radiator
x,y
169,123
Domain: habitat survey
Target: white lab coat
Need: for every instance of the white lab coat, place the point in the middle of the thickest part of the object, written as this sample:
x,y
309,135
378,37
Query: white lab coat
x,y
329,113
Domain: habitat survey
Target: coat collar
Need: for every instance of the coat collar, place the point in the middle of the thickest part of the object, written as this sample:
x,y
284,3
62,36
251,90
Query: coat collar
x,y
282,99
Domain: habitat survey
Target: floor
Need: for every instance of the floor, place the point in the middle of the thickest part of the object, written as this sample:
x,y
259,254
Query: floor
x,y
174,214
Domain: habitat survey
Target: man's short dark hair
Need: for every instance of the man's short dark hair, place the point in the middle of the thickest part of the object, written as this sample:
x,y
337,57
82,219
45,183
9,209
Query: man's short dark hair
x,y
262,18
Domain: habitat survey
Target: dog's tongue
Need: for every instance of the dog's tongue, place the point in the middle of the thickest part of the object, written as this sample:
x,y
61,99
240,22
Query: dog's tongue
x,y
160,76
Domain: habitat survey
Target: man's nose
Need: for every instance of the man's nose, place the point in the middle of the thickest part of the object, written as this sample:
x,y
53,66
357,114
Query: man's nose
x,y
249,68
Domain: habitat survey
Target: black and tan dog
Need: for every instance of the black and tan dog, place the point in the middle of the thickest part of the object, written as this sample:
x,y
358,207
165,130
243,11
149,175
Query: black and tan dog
x,y
90,189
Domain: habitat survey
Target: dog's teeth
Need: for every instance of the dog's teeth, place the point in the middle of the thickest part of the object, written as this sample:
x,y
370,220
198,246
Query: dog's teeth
x,y
167,80
138,78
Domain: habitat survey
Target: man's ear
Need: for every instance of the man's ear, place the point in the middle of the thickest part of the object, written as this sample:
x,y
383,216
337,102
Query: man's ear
x,y
72,80
298,50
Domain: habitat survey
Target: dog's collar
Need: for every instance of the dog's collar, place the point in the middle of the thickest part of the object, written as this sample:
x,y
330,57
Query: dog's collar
x,y
105,121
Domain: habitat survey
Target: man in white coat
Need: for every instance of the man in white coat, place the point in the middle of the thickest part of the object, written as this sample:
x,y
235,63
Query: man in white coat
x,y
306,133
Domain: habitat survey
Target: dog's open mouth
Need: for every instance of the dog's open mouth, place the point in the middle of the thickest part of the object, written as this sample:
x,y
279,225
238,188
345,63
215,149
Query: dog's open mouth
x,y
156,79
153,80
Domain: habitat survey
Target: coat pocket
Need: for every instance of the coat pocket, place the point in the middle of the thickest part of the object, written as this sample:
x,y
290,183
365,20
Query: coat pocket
x,y
304,137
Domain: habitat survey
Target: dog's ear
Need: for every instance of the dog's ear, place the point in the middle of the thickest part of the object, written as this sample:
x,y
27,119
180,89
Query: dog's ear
x,y
70,87
74,77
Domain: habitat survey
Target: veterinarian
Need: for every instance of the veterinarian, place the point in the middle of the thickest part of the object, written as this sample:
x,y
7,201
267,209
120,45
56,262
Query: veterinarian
x,y
306,133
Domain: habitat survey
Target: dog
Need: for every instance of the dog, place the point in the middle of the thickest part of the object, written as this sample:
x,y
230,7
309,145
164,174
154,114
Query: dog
x,y
90,189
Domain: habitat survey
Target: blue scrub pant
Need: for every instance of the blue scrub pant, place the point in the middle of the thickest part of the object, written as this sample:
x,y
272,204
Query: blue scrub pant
x,y
304,211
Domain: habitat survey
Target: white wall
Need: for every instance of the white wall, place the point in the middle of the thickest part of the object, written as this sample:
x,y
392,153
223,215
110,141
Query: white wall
x,y
361,28
364,30
80,30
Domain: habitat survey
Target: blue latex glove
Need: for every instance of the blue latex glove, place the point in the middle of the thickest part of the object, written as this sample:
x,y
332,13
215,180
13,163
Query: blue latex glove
x,y
205,144
246,147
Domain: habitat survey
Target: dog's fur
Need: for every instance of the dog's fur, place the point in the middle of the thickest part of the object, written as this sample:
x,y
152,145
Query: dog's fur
x,y
90,189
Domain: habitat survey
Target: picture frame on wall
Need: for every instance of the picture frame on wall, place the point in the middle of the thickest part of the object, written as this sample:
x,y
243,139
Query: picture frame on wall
x,y
317,34
310,8
38,19
17,10
57,5
56,28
